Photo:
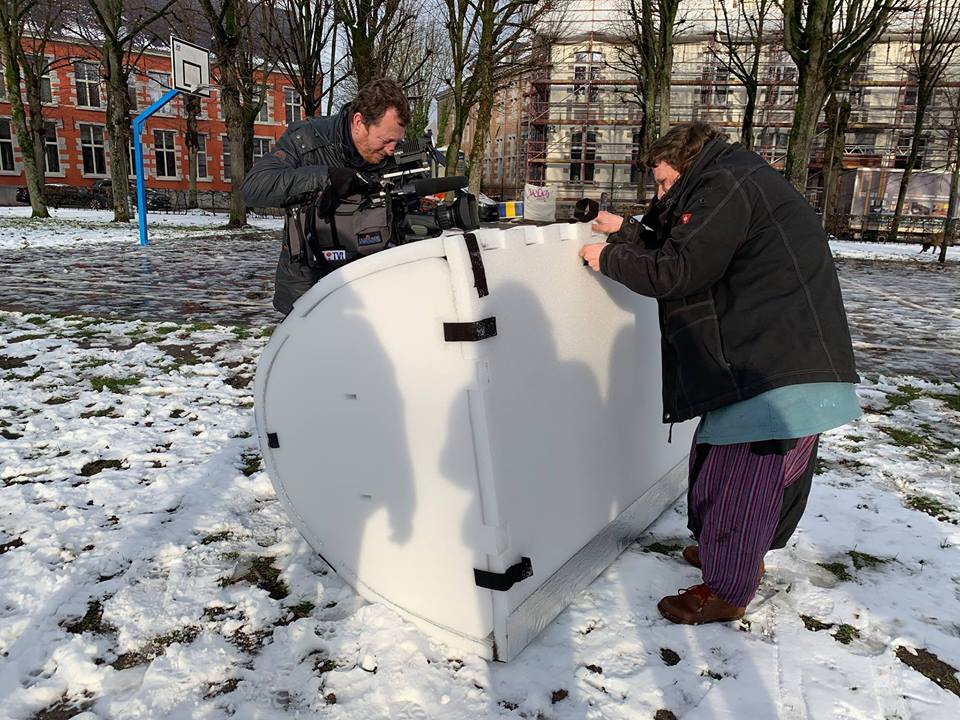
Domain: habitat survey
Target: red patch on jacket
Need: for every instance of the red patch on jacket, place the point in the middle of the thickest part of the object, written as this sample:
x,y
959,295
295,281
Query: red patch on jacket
x,y
685,218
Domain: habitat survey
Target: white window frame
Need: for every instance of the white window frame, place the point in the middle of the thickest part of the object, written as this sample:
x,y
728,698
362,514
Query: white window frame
x,y
258,149
225,158
91,86
8,142
203,157
169,154
48,146
158,83
291,100
94,146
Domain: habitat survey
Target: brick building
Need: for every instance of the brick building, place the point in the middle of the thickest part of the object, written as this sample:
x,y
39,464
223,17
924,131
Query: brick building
x,y
77,149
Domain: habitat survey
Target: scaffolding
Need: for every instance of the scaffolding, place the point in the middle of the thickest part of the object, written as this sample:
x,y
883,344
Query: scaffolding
x,y
572,122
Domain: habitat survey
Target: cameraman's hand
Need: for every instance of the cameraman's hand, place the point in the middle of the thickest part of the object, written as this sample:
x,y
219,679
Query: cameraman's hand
x,y
345,182
607,222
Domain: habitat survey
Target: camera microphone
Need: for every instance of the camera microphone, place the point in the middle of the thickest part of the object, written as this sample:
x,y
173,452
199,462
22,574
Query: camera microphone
x,y
435,186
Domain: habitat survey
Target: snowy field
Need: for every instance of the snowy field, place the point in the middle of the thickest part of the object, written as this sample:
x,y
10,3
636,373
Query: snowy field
x,y
149,571
70,226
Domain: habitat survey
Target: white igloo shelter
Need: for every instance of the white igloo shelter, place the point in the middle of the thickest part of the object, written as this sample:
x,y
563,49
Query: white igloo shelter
x,y
468,428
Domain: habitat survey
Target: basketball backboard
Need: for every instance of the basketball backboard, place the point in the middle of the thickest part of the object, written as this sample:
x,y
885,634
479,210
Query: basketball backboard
x,y
191,67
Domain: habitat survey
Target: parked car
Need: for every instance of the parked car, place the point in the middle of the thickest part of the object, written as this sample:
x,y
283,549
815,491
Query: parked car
x,y
59,195
102,196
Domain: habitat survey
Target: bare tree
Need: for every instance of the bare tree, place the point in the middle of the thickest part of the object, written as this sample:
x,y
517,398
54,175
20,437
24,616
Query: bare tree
x,y
492,42
743,34
935,38
428,51
304,34
242,34
824,37
116,30
375,31
13,17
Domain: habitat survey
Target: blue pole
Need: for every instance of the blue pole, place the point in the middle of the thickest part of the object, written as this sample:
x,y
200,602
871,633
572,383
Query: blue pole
x,y
138,124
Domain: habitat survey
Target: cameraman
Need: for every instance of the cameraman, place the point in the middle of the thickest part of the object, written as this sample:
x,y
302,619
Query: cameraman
x,y
319,170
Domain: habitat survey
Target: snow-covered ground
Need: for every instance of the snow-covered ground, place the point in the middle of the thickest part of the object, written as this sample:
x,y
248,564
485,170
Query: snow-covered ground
x,y
70,226
148,570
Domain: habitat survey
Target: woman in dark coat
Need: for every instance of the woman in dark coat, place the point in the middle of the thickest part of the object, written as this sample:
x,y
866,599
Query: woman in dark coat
x,y
754,341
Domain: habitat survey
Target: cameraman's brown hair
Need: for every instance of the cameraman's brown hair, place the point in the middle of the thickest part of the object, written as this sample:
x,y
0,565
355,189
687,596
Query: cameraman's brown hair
x,y
376,97
681,145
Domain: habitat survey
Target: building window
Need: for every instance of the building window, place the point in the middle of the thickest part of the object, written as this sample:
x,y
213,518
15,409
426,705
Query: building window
x,y
226,156
263,115
88,84
293,106
909,96
132,93
51,148
46,90
3,85
133,155
6,147
202,170
261,146
91,147
165,153
585,151
157,86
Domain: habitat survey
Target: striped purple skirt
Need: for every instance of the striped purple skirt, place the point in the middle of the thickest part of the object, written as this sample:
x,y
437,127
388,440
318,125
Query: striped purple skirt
x,y
740,506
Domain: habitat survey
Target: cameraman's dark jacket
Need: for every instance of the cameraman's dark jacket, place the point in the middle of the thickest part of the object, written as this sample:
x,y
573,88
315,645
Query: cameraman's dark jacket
x,y
290,176
748,294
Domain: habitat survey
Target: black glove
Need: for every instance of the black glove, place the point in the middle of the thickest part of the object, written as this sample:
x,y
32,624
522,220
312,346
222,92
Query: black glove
x,y
345,182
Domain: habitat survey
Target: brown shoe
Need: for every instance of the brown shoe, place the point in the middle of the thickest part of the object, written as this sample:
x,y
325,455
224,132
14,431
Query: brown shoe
x,y
698,605
691,553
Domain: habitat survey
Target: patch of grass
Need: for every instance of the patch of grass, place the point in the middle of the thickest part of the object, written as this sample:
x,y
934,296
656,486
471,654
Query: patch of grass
x,y
904,438
929,505
266,332
821,467
38,320
251,463
24,378
102,412
12,363
669,657
216,537
845,634
96,466
11,545
24,338
931,667
66,707
156,647
558,696
324,665
951,401
904,395
91,363
166,329
838,569
264,575
224,688
58,400
814,625
663,548
864,560
302,610
197,327
91,622
101,383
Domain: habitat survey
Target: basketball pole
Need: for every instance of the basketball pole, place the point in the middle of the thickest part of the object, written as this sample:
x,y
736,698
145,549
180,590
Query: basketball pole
x,y
138,125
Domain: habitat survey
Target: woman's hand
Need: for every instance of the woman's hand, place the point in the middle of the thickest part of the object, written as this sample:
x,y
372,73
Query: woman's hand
x,y
607,222
591,254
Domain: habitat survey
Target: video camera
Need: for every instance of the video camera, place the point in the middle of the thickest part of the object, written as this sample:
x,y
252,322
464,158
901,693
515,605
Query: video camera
x,y
405,186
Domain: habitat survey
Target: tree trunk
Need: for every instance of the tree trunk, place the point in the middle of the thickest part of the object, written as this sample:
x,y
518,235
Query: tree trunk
x,y
746,130
233,114
191,106
907,171
484,112
837,116
811,92
118,117
950,223
9,48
